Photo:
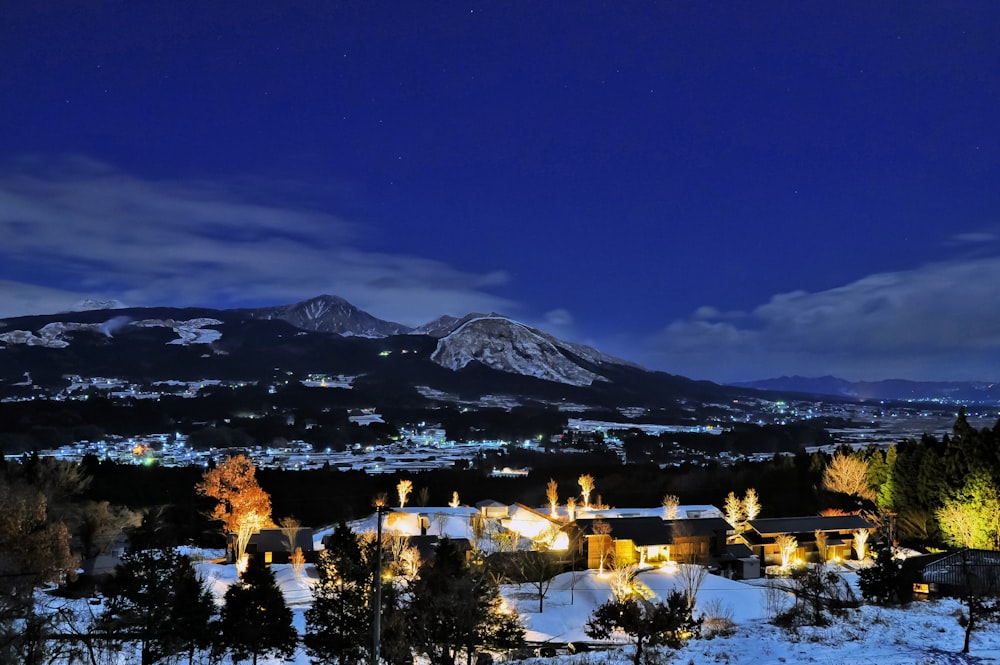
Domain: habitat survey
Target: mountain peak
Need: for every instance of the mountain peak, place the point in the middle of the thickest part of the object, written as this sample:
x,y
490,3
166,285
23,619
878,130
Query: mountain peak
x,y
89,304
333,314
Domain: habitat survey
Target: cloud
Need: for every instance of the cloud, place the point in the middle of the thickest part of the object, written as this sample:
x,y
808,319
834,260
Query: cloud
x,y
560,318
938,321
76,227
974,239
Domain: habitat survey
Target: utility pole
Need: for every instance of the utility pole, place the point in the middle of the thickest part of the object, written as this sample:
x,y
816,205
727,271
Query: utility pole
x,y
377,622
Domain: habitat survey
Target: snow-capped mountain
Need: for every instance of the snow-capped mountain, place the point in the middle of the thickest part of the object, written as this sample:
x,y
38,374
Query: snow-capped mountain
x,y
508,346
494,341
88,304
446,324
331,314
451,359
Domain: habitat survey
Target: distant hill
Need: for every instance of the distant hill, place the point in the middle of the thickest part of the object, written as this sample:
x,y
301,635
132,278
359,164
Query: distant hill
x,y
890,389
450,359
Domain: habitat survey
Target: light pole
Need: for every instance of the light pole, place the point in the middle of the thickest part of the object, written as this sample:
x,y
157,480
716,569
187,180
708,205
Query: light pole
x,y
377,622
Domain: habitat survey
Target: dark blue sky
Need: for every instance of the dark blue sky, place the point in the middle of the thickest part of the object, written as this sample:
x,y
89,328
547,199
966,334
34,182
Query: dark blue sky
x,y
722,190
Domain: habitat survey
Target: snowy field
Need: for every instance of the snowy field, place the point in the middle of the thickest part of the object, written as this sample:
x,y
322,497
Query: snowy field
x,y
925,633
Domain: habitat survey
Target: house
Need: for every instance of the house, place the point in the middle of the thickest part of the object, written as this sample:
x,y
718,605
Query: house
x,y
819,538
426,546
423,521
953,573
273,546
624,540
738,562
530,523
698,540
493,509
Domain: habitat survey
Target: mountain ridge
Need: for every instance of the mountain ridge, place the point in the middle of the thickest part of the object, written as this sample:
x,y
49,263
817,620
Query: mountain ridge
x,y
884,389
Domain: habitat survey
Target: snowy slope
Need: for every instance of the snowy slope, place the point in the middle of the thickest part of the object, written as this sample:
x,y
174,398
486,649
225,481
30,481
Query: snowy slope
x,y
923,633
508,346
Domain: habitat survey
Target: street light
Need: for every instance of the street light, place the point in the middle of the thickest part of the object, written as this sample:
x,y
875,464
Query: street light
x,y
380,509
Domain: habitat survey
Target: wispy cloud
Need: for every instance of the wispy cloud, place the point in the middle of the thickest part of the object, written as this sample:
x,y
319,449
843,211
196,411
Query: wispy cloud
x,y
938,321
78,228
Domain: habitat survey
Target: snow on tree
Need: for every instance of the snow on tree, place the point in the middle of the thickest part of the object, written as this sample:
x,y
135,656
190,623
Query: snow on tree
x,y
159,604
646,623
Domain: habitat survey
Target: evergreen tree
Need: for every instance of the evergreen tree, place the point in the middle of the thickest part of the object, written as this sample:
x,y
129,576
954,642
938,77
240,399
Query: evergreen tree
x,y
255,620
881,583
160,604
455,609
647,623
339,622
970,517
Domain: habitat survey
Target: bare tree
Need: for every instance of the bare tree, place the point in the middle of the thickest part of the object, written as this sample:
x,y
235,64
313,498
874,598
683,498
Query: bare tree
x,y
860,542
403,489
440,521
691,577
787,544
290,527
602,537
670,504
424,496
298,561
536,569
552,494
821,539
751,504
625,583
410,562
290,530
586,482
395,545
454,503
733,508
101,523
571,508
847,474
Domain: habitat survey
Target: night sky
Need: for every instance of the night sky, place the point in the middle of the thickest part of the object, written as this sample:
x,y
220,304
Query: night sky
x,y
724,190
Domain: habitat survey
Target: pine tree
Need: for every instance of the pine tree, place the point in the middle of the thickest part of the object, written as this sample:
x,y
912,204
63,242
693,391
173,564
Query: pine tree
x,y
455,610
160,604
338,624
255,620
880,583
647,623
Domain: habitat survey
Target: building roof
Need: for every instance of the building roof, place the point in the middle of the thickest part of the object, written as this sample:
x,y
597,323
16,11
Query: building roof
x,y
735,551
703,526
643,531
957,569
274,540
776,525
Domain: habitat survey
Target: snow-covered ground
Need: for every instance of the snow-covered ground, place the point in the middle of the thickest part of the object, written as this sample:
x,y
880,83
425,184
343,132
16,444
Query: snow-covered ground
x,y
924,633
